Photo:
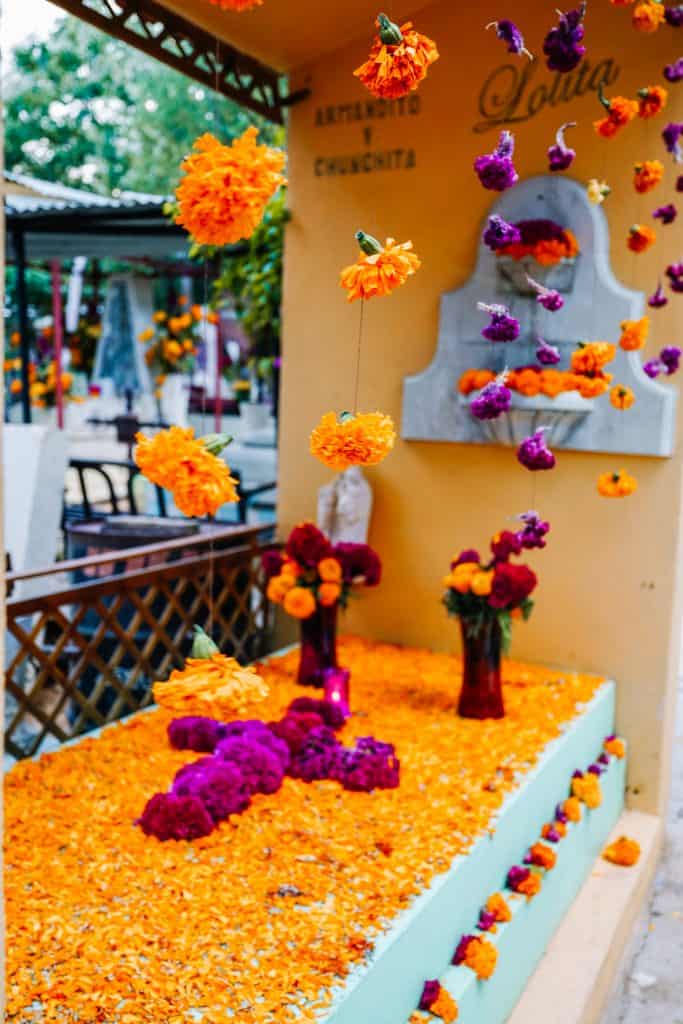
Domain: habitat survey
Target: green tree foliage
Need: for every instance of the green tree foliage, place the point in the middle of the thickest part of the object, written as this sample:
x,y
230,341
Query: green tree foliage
x,y
86,110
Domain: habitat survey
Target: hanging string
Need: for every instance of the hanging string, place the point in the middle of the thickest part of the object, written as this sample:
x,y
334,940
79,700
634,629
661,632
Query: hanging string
x,y
358,354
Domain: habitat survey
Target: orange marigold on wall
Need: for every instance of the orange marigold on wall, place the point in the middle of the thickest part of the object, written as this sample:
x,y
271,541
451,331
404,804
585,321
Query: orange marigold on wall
x,y
352,439
641,237
616,485
572,808
615,746
225,189
586,788
592,356
398,61
474,380
648,16
497,905
217,686
380,269
445,1007
634,334
530,886
543,856
481,956
189,467
624,851
651,101
647,175
621,397
620,111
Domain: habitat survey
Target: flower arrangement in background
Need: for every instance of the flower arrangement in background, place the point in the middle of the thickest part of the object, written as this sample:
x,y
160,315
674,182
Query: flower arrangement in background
x,y
225,189
543,240
82,344
43,384
352,439
379,269
399,60
189,467
172,339
499,233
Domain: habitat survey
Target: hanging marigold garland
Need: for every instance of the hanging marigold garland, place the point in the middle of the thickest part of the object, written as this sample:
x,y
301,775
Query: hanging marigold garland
x,y
398,61
379,269
225,189
352,439
189,467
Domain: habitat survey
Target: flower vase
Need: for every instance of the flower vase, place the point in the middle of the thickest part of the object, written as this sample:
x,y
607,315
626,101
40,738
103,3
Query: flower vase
x,y
318,646
175,400
481,695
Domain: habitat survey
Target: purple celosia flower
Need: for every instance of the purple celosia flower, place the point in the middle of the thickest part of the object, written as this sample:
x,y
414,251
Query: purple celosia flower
x,y
675,274
595,769
430,993
604,758
552,835
496,170
672,140
679,183
546,354
534,532
499,233
486,921
195,732
503,326
510,34
674,16
562,45
658,298
674,72
612,736
271,561
517,875
256,730
534,454
358,561
577,774
331,714
540,229
468,555
369,765
560,815
493,400
295,727
560,156
667,214
220,786
318,756
168,816
653,368
546,297
670,357
461,950
505,544
262,770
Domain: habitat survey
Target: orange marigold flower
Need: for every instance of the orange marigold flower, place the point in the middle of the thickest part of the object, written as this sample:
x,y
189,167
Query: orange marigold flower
x,y
592,356
379,269
328,594
278,588
648,16
551,382
16,387
360,439
444,1006
497,905
188,467
530,886
527,382
620,111
641,237
542,856
634,333
615,746
624,851
552,827
572,808
586,788
481,583
217,686
621,397
481,956
299,602
330,570
616,485
651,100
647,175
399,59
225,189
593,387
236,5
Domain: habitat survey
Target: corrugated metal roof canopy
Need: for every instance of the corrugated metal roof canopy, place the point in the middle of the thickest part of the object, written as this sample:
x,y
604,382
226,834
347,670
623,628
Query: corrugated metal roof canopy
x,y
59,222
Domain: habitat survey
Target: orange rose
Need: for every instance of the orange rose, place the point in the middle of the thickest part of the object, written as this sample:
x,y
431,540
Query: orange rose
x,y
299,603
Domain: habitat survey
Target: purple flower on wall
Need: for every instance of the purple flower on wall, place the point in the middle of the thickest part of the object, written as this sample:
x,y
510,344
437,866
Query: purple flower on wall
x,y
666,214
658,298
493,400
653,368
562,45
534,454
679,183
674,72
675,274
670,357
503,326
672,140
534,531
460,951
508,32
430,993
674,16
560,156
546,297
547,355
517,875
496,170
499,234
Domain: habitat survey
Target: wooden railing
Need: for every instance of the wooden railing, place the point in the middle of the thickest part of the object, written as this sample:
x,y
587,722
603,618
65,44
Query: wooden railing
x,y
81,654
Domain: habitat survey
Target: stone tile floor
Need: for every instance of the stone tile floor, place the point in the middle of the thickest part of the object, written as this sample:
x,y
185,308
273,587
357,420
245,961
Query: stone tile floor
x,y
651,989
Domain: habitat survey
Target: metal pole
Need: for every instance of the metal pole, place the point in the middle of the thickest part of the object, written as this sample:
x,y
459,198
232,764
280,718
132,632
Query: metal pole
x,y
55,269
22,309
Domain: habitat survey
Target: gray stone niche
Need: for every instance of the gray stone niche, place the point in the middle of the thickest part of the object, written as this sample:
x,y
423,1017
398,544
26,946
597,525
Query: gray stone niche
x,y
595,305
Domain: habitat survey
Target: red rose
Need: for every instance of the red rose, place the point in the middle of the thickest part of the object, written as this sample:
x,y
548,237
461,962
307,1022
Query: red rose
x,y
511,585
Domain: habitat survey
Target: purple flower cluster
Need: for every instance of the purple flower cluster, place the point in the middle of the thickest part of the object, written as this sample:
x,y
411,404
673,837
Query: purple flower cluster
x,y
461,950
249,757
674,72
546,297
508,32
667,214
430,993
668,362
517,875
540,229
547,355
534,531
358,560
675,274
496,170
562,45
499,233
674,16
672,140
534,454
658,298
503,326
493,400
468,555
486,920
561,156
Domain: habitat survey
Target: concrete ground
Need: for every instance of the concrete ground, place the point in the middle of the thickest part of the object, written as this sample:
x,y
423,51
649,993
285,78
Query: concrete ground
x,y
651,986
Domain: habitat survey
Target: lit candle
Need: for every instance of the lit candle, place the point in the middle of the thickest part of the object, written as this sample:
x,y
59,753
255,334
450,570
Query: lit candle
x,y
336,688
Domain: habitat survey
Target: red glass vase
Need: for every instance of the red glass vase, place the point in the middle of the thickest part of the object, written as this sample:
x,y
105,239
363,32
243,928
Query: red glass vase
x,y
318,646
481,695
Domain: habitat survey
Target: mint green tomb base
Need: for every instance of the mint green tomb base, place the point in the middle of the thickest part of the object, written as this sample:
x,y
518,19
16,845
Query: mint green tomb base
x,y
420,945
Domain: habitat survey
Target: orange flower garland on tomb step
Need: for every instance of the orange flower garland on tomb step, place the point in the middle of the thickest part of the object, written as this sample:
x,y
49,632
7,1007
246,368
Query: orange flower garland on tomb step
x,y
217,686
360,439
380,269
225,189
189,467
399,60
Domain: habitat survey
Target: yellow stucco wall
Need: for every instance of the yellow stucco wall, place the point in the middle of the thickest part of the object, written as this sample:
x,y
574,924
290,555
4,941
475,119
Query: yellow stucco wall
x,y
608,597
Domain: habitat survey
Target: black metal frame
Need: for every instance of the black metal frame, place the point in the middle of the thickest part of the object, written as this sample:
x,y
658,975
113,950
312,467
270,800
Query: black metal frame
x,y
170,38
